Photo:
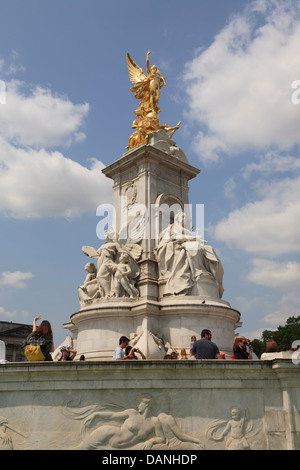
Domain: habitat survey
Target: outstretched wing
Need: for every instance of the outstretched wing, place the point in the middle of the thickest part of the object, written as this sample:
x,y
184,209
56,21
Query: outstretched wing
x,y
136,229
136,73
134,250
90,252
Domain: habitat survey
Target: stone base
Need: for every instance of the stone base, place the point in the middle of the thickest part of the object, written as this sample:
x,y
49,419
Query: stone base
x,y
97,328
73,405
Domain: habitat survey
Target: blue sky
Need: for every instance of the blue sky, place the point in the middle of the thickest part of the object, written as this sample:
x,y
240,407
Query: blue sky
x,y
229,67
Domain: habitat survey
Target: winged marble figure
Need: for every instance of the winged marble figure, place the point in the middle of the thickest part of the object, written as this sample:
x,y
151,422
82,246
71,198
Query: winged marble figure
x,y
117,267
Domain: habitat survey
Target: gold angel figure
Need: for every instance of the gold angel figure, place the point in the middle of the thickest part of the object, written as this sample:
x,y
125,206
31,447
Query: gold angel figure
x,y
146,87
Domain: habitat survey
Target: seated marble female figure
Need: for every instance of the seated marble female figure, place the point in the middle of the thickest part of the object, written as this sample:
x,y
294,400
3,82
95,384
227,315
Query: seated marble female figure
x,y
184,261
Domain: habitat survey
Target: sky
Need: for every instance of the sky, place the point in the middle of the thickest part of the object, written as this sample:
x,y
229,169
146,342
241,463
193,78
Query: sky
x,y
232,72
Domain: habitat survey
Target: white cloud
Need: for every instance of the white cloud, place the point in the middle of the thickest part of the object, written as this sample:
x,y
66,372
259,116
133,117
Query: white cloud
x,y
287,306
282,275
15,279
272,162
38,183
271,311
11,66
35,180
229,188
239,89
6,314
243,304
268,226
39,118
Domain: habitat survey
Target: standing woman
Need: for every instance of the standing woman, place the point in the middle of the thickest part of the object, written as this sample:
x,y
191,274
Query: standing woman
x,y
42,335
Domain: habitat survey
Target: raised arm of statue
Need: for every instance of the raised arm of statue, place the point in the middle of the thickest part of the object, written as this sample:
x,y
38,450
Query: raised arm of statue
x,y
147,62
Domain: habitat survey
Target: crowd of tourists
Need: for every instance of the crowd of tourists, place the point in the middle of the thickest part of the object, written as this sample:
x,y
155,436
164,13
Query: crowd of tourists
x,y
204,348
39,345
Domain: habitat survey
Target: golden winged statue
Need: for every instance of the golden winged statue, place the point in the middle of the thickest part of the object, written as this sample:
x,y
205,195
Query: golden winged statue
x,y
147,89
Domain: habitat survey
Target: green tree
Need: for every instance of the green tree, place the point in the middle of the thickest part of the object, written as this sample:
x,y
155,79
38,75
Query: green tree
x,y
284,335
258,347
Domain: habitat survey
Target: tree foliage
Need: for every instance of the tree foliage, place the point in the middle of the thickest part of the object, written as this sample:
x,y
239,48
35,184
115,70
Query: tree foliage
x,y
284,335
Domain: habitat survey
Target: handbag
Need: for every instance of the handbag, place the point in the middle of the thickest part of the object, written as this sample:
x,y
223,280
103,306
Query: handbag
x,y
34,353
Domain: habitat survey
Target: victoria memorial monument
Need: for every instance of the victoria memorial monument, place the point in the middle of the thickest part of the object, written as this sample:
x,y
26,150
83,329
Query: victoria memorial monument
x,y
154,279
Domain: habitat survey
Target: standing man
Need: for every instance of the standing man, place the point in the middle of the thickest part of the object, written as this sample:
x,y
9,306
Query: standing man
x,y
240,348
119,353
204,348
